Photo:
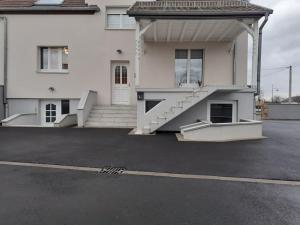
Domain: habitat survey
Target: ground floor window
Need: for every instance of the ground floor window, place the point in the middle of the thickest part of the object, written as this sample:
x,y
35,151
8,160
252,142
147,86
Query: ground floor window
x,y
54,59
188,67
222,112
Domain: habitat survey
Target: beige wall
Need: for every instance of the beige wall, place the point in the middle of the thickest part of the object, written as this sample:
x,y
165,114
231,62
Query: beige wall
x,y
158,62
91,50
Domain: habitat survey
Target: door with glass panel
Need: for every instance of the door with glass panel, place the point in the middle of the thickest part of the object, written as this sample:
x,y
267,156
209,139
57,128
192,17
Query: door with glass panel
x,y
50,111
189,67
120,84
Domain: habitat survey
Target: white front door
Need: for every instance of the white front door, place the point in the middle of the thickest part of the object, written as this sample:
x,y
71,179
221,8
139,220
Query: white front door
x,y
120,84
50,111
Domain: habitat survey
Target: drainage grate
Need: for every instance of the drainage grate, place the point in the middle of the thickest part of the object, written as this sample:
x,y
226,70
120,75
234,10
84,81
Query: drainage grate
x,y
112,170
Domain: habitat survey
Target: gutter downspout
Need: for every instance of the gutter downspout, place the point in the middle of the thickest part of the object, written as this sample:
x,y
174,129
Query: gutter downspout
x,y
5,63
259,53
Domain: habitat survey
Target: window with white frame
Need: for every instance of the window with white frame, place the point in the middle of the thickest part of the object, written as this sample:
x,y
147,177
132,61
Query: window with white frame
x,y
54,59
222,111
188,67
117,18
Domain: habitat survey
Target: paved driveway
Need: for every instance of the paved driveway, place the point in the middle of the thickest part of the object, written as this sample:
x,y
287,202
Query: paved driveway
x,y
34,196
277,157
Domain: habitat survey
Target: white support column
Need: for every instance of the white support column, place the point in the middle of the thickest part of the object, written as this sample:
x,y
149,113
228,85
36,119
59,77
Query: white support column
x,y
254,32
139,49
137,54
255,55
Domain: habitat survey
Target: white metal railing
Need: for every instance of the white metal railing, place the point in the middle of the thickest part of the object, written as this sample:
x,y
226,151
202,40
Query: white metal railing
x,y
193,4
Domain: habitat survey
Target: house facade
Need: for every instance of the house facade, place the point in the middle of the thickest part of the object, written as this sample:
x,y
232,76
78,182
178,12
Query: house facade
x,y
165,63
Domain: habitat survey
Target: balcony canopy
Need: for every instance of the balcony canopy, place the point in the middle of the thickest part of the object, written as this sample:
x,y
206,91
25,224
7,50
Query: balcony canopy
x,y
192,30
196,9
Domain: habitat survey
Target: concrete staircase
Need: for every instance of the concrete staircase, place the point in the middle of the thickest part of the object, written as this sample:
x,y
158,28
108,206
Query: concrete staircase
x,y
169,109
115,116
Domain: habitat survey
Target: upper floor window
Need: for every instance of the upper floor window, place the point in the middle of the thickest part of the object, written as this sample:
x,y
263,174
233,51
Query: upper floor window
x,y
54,59
116,18
49,2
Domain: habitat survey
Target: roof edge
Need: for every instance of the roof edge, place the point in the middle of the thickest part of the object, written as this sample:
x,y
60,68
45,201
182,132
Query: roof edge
x,y
90,9
198,15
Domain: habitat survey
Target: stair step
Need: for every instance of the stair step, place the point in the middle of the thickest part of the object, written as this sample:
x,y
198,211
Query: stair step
x,y
110,124
162,117
112,115
111,119
113,111
115,107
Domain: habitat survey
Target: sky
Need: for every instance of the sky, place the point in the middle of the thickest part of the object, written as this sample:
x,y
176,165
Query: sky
x,y
281,47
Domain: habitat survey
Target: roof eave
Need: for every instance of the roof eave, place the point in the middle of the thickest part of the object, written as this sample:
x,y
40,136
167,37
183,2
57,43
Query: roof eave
x,y
91,9
197,15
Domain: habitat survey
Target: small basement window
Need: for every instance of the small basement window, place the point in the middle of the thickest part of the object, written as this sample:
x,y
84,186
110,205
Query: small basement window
x,y
65,106
149,104
54,59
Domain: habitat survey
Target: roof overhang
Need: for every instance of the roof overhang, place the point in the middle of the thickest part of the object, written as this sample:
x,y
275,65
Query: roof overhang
x,y
91,9
213,9
195,15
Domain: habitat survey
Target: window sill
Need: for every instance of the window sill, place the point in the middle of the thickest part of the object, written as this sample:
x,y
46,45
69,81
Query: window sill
x,y
53,72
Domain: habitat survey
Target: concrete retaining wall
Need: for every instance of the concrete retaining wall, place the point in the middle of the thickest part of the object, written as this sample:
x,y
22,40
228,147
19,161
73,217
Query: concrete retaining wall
x,y
244,101
283,111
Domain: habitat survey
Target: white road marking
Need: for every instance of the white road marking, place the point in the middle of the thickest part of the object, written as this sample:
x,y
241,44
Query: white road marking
x,y
157,174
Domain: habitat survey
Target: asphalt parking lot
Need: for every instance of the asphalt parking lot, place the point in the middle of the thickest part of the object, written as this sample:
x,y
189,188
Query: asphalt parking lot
x,y
33,195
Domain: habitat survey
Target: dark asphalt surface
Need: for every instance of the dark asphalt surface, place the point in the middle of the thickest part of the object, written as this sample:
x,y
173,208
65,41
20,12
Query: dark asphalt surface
x,y
33,196
277,157
39,196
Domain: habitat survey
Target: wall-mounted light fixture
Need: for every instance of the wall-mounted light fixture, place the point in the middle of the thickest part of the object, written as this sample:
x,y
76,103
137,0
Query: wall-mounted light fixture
x,y
119,51
52,89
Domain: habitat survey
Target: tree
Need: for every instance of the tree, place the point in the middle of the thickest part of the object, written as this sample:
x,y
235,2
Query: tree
x,y
277,99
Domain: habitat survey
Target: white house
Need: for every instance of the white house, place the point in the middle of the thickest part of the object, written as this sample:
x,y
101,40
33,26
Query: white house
x,y
149,65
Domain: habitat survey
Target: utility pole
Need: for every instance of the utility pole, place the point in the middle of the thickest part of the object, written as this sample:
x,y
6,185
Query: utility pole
x,y
272,93
290,84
